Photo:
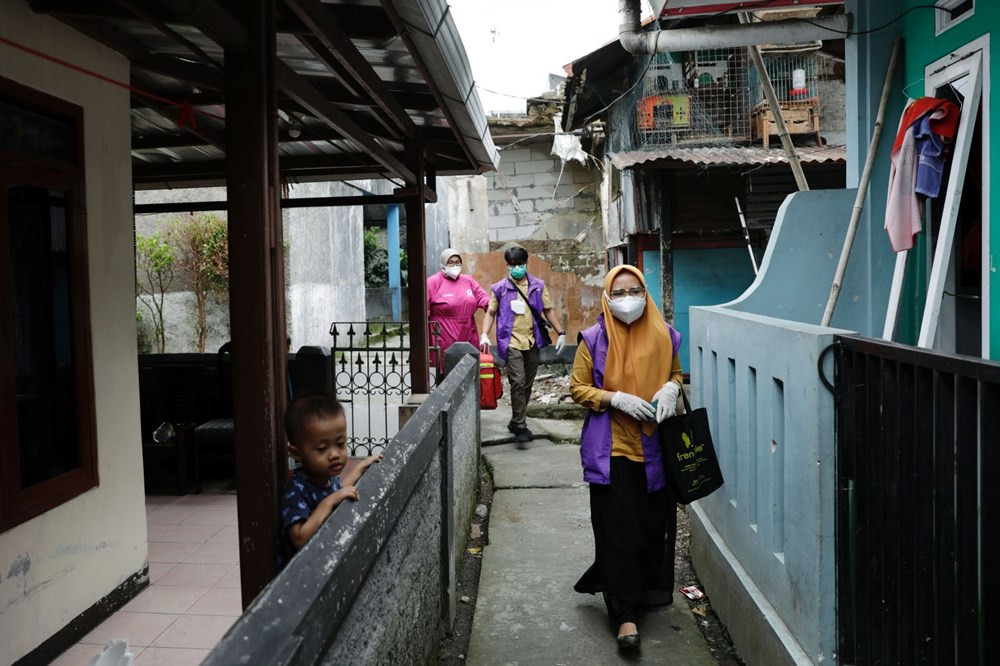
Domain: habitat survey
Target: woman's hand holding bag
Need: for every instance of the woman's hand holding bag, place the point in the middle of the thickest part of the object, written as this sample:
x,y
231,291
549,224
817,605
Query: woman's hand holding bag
x,y
634,406
666,401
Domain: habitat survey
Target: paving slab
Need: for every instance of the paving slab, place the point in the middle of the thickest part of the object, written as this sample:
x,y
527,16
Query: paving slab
x,y
527,611
542,465
493,428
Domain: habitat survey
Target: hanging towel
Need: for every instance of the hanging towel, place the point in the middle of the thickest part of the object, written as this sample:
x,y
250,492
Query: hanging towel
x,y
902,209
917,165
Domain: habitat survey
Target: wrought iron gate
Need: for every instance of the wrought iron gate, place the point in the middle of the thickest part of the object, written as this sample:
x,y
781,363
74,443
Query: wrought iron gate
x,y
918,437
371,377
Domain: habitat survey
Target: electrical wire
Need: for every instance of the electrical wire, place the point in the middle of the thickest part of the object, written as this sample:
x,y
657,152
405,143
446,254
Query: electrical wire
x,y
851,33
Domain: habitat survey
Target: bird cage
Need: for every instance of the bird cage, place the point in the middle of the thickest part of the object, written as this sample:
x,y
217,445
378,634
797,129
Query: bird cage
x,y
794,79
692,98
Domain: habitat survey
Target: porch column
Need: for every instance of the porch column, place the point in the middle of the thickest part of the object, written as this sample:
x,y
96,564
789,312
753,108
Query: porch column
x,y
256,300
417,269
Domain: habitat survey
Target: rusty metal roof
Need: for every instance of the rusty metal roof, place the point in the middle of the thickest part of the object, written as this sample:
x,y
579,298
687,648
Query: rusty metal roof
x,y
729,155
391,68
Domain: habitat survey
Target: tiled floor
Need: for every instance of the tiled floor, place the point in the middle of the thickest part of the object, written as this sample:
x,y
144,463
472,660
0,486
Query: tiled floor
x,y
194,591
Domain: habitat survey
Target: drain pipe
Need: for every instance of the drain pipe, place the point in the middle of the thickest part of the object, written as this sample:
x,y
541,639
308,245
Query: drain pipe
x,y
790,31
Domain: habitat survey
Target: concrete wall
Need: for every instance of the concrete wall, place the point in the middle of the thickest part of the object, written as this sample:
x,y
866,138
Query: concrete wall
x,y
370,586
324,254
63,562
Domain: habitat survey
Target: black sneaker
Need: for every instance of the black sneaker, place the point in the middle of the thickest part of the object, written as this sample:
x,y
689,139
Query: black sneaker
x,y
513,427
522,438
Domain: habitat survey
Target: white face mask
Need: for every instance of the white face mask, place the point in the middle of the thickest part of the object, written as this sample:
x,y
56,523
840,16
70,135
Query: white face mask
x,y
452,271
627,309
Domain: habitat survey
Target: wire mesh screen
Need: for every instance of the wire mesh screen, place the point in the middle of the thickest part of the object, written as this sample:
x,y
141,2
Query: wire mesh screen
x,y
692,98
713,97
793,76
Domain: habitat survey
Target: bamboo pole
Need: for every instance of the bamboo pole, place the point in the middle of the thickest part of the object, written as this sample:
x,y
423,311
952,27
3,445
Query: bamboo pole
x,y
859,199
775,108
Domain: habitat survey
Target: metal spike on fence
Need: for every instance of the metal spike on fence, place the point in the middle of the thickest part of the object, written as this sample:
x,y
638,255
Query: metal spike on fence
x,y
360,363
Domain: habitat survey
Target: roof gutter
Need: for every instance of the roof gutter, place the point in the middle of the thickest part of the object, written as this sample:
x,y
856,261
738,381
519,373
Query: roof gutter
x,y
790,31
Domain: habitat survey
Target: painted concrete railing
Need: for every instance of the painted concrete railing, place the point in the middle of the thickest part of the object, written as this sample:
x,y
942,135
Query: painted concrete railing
x,y
764,544
377,583
767,536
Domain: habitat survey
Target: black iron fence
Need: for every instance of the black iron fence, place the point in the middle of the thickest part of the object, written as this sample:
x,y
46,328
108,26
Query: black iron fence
x,y
371,376
918,435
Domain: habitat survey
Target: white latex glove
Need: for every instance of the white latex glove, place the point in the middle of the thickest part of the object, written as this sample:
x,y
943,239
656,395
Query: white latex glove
x,y
484,343
666,401
634,406
560,343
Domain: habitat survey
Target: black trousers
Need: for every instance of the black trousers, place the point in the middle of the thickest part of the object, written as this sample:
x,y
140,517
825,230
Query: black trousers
x,y
635,533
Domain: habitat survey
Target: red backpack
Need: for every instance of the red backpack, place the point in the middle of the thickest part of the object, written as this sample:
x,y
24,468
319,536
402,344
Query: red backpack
x,y
490,386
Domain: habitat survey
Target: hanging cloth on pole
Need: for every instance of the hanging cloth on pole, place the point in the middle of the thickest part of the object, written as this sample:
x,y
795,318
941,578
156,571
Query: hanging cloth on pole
x,y
917,165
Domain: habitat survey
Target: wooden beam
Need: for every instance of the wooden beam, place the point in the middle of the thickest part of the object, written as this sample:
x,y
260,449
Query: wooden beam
x,y
417,268
303,92
256,300
305,202
362,162
366,21
327,29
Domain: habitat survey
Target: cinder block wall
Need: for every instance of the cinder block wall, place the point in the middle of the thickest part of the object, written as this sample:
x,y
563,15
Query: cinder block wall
x,y
528,199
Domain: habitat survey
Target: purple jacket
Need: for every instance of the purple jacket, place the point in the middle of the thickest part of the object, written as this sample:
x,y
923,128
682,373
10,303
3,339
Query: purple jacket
x,y
505,292
595,444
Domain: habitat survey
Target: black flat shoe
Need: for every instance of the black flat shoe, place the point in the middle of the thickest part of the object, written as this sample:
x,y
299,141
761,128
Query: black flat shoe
x,y
628,642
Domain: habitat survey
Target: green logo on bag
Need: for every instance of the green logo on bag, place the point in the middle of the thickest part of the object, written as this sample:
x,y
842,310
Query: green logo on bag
x,y
686,440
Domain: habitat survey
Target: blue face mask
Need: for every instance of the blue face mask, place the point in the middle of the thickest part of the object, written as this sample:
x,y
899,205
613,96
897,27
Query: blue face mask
x,y
518,272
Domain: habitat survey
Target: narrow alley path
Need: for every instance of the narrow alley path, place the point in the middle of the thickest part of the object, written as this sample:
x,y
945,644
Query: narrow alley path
x,y
540,542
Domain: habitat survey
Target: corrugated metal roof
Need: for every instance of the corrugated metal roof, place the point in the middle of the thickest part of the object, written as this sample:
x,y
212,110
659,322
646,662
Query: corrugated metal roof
x,y
726,155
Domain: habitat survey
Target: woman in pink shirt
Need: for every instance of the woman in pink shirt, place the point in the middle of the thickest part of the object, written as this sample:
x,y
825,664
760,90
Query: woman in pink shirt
x,y
452,301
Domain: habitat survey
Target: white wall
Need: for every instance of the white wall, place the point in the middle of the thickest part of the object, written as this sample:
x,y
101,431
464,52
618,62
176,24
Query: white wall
x,y
72,556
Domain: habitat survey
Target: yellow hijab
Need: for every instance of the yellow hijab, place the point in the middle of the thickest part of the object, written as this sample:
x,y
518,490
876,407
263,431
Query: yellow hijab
x,y
640,356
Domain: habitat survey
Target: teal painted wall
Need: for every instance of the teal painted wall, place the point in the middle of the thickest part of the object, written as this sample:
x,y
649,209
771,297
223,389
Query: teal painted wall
x,y
706,277
921,48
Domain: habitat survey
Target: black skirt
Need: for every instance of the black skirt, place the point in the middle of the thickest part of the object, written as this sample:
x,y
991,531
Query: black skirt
x,y
635,533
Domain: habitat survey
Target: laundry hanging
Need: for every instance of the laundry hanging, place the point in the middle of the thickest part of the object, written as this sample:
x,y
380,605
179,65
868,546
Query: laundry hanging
x,y
917,165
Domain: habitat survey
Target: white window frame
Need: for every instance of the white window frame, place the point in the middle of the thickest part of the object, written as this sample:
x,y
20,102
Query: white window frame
x,y
973,60
943,20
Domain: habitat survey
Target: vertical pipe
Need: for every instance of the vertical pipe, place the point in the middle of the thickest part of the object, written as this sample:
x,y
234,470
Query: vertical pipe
x,y
775,107
392,243
257,294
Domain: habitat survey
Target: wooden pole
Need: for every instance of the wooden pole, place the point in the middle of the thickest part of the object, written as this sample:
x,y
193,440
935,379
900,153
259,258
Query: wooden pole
x,y
416,267
775,108
859,199
256,300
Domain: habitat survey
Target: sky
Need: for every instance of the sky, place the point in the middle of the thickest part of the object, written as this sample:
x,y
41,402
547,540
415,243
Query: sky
x,y
514,45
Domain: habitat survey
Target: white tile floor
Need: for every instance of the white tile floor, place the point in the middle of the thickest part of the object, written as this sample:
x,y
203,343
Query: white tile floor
x,y
194,592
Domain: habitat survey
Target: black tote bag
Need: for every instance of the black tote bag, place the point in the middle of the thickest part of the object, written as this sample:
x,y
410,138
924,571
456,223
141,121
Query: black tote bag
x,y
689,459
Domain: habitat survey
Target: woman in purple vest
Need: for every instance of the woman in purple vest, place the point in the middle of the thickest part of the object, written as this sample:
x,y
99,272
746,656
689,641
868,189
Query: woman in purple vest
x,y
628,375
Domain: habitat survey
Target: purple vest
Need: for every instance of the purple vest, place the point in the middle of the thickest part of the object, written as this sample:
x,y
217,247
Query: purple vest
x,y
506,292
595,444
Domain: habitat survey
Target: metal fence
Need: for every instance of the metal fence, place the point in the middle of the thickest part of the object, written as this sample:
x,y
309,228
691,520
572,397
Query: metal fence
x,y
371,377
917,447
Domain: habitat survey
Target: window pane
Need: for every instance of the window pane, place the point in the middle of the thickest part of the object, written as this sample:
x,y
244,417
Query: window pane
x,y
43,352
25,131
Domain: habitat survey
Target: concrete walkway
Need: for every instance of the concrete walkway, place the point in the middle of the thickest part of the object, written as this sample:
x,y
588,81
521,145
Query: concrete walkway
x,y
540,544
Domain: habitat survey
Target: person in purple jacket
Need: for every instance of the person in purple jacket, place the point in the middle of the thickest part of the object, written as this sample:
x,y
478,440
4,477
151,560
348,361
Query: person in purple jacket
x,y
628,375
518,304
